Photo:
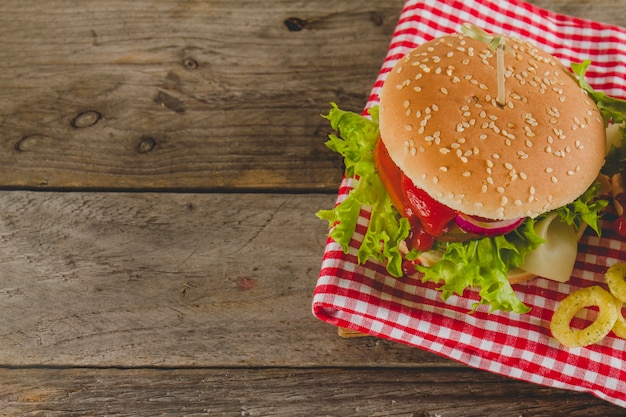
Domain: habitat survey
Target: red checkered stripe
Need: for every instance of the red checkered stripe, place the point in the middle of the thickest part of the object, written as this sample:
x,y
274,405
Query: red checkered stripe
x,y
365,298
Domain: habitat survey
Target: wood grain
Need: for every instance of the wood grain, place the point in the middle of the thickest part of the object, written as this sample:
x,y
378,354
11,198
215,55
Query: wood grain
x,y
159,279
184,95
281,392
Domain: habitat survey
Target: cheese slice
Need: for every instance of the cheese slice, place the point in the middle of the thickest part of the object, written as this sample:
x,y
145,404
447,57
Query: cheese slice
x,y
555,258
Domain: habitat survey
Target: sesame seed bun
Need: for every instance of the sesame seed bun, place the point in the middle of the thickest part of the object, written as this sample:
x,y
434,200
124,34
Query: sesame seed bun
x,y
441,124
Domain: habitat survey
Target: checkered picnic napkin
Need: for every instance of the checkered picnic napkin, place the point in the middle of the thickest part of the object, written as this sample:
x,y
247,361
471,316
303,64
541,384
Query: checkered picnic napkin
x,y
366,299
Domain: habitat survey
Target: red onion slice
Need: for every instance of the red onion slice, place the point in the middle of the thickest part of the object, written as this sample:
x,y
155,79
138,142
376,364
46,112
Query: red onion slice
x,y
486,227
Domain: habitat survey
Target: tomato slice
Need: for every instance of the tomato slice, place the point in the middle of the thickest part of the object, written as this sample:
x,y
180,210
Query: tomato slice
x,y
433,215
411,201
390,175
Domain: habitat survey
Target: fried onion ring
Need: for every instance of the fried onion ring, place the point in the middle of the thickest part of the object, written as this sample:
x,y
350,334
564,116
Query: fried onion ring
x,y
619,328
585,297
615,276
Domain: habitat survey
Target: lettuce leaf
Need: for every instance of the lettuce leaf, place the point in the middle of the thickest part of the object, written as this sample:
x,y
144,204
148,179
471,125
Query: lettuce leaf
x,y
585,209
485,263
613,111
386,228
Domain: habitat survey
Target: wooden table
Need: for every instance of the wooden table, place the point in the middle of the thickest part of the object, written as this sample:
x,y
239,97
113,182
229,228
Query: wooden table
x,y
160,165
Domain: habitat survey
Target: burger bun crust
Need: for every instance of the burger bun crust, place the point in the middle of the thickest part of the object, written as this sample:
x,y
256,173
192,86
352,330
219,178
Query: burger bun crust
x,y
441,124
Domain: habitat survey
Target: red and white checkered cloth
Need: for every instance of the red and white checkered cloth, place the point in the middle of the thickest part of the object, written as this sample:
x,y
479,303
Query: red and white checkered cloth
x,y
366,299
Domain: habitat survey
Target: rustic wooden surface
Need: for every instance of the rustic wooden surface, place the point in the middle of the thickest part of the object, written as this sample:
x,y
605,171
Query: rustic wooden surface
x,y
160,165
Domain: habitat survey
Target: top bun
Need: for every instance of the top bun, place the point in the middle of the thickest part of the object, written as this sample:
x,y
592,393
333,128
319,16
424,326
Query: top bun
x,y
442,126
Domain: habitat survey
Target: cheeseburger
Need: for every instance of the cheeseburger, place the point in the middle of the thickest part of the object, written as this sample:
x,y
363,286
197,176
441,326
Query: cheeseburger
x,y
481,158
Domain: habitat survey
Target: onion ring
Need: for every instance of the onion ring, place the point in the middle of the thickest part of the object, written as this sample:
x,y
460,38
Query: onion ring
x,y
615,276
585,297
619,328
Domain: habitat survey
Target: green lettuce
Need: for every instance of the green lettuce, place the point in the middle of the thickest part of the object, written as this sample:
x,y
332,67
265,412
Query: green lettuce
x,y
386,228
585,209
485,263
613,111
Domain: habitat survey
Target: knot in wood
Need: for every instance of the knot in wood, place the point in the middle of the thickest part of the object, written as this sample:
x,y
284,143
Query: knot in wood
x,y
146,144
294,24
190,63
85,119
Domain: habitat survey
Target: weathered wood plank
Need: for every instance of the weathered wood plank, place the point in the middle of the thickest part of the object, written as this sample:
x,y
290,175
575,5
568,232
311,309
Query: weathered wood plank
x,y
115,279
189,95
284,392
181,94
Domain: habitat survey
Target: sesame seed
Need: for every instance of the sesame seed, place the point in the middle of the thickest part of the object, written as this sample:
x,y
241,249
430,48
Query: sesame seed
x,y
406,103
508,166
444,151
495,156
554,179
408,128
549,170
467,174
484,188
490,180
435,179
443,169
570,172
504,201
443,90
500,190
417,89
